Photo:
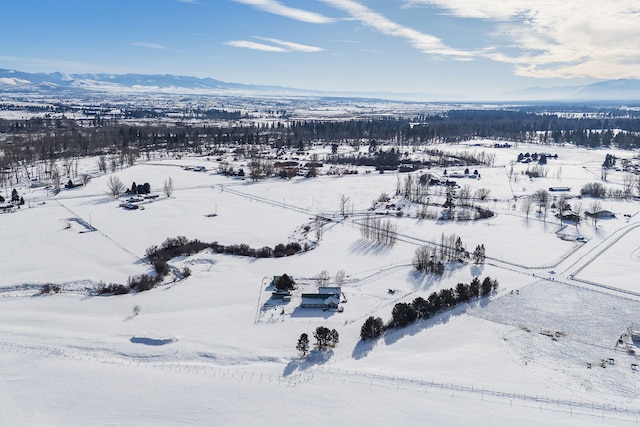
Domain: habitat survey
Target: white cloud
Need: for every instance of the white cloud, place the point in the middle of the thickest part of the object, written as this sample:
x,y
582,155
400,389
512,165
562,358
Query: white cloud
x,y
426,43
559,38
277,8
188,1
292,46
254,46
148,45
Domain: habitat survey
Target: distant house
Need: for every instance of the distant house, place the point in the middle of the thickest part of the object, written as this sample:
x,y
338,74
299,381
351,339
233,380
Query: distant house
x,y
326,298
568,216
600,214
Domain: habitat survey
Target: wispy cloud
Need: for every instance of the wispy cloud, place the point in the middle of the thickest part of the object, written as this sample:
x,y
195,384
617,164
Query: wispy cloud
x,y
277,8
426,43
292,46
148,45
254,46
188,1
558,38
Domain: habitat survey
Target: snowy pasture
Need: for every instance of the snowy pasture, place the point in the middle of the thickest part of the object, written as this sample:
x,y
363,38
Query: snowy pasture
x,y
215,349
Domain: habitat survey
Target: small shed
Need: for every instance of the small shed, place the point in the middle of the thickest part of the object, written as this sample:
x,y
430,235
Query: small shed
x,y
601,214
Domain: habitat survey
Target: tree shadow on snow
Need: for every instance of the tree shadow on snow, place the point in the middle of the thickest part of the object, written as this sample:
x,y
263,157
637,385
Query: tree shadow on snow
x,y
364,247
315,357
151,341
394,335
476,270
102,201
363,348
422,280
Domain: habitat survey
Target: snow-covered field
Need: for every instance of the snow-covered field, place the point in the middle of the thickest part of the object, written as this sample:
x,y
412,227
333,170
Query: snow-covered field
x,y
213,350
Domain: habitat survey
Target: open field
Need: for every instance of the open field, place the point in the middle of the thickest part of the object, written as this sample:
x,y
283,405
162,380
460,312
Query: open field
x,y
213,348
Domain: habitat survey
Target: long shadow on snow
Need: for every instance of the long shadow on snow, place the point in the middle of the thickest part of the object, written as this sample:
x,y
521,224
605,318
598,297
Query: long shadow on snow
x,y
391,336
425,280
364,247
312,312
315,357
363,348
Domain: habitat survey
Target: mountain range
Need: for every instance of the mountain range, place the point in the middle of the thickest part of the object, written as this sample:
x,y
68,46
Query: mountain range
x,y
12,81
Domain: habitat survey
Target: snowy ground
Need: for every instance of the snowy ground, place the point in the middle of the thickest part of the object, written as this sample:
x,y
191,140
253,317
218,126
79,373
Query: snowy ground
x,y
213,350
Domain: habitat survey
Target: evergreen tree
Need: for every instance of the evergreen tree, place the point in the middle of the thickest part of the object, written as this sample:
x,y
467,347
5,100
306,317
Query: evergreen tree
x,y
15,197
479,254
303,344
285,283
373,327
334,338
134,188
474,287
403,314
323,337
486,287
448,298
422,308
435,302
462,292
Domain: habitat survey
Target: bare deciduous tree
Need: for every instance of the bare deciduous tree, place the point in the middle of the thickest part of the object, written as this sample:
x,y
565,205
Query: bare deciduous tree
x,y
627,185
344,206
55,178
85,178
115,186
323,278
482,193
102,164
340,276
168,187
464,195
526,205
318,224
594,208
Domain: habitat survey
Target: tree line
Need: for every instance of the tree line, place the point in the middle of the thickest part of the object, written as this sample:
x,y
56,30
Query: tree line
x,y
403,313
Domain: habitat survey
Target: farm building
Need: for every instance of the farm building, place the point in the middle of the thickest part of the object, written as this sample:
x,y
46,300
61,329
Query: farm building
x,y
601,214
326,298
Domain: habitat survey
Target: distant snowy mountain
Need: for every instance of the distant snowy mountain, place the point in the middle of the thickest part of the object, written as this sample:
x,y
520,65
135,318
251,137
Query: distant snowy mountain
x,y
609,90
18,81
12,81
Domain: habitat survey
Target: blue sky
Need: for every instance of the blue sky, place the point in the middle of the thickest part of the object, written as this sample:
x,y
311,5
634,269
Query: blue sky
x,y
470,48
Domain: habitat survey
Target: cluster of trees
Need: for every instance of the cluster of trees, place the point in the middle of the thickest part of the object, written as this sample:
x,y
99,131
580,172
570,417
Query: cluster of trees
x,y
139,188
594,189
432,259
45,139
285,283
403,314
325,338
16,199
49,288
378,230
139,283
181,246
